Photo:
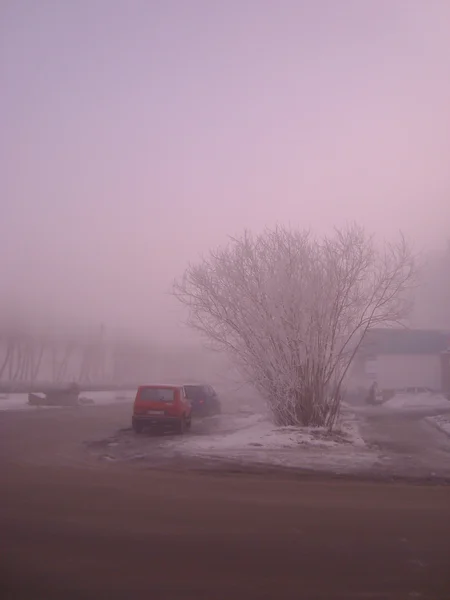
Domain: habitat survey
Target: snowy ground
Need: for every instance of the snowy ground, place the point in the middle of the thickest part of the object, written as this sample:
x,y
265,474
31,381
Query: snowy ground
x,y
403,404
20,401
441,422
255,439
16,402
394,438
423,400
256,431
248,438
401,430
101,398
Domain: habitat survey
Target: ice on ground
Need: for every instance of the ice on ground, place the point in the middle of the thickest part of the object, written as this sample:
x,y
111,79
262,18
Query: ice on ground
x,y
441,422
422,401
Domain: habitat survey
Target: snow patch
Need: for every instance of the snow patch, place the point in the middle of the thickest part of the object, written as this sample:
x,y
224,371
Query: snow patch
x,y
348,424
264,434
105,398
441,422
19,402
422,401
254,439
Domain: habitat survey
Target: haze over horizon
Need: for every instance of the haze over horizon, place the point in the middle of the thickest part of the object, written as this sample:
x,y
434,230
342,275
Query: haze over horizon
x,y
137,135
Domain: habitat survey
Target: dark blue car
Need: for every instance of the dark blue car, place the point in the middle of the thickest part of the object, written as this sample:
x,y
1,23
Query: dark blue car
x,y
204,400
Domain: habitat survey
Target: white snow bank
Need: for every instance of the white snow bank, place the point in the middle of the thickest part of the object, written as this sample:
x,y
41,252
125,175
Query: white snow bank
x,y
256,440
20,401
256,431
262,434
14,402
265,435
241,425
441,422
422,401
109,397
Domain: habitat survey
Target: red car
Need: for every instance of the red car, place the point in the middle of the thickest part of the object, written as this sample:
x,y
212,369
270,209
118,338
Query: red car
x,y
161,405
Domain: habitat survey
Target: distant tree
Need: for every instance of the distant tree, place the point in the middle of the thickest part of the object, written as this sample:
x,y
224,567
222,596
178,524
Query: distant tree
x,y
292,310
7,346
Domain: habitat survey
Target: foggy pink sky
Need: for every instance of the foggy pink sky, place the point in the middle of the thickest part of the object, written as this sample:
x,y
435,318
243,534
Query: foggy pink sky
x,y
136,134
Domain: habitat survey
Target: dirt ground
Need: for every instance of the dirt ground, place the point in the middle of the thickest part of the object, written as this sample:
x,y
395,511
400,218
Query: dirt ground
x,y
73,526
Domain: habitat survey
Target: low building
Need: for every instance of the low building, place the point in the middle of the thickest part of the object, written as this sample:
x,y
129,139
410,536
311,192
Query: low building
x,y
404,358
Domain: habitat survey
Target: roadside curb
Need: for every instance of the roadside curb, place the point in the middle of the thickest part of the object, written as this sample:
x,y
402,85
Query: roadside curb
x,y
437,426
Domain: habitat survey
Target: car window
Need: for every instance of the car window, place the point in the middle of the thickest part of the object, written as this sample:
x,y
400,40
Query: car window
x,y
153,394
194,392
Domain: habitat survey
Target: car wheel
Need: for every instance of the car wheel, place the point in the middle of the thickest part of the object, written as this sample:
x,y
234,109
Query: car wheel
x,y
137,427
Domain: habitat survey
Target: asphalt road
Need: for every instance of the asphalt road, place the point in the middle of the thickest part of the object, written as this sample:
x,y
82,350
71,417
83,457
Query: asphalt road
x,y
82,533
408,445
74,529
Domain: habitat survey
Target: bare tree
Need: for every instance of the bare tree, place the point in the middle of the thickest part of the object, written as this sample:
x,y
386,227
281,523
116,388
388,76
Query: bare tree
x,y
37,356
8,345
17,362
292,310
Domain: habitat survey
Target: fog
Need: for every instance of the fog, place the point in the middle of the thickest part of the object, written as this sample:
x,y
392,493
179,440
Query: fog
x,y
136,135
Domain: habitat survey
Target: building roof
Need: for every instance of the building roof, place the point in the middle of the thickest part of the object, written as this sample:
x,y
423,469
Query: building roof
x,y
406,341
